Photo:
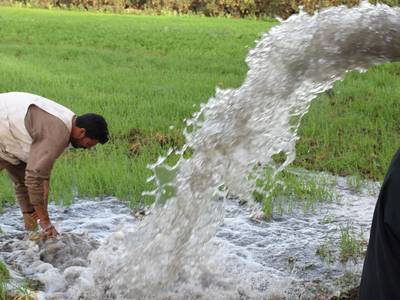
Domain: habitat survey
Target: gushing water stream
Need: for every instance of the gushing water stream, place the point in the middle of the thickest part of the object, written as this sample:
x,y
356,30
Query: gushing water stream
x,y
172,254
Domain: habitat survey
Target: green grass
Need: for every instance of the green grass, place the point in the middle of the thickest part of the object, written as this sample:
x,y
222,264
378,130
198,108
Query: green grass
x,y
140,72
6,190
23,291
350,246
4,280
290,189
146,73
355,129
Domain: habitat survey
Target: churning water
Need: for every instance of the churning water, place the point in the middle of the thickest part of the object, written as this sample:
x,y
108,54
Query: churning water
x,y
172,253
270,260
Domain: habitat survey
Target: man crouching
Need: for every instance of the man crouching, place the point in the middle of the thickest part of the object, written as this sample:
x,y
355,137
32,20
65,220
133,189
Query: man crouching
x,y
34,132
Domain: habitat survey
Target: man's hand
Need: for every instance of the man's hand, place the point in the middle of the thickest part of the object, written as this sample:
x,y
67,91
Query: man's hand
x,y
49,232
42,217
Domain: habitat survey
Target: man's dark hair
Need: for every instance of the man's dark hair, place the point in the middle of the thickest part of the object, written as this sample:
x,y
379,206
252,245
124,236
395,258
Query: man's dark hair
x,y
95,126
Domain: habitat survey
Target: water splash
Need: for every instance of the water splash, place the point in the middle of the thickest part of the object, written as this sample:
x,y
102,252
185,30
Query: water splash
x,y
278,258
169,256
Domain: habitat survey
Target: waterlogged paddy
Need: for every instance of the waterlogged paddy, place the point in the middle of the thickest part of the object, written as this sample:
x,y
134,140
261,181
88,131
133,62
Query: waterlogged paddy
x,y
276,258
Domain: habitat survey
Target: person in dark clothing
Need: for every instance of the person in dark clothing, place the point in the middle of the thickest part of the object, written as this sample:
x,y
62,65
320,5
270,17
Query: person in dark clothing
x,y
381,273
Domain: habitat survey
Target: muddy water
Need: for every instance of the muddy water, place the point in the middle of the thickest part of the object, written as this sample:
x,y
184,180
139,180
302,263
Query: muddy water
x,y
280,257
276,258
55,262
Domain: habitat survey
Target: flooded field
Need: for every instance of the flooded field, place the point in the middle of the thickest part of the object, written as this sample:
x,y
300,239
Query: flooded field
x,y
278,258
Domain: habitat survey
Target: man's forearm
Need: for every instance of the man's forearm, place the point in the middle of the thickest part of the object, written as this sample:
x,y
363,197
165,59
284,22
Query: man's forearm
x,y
36,187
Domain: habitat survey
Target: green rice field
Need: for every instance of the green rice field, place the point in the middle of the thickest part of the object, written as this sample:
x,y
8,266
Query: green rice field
x,y
148,73
143,73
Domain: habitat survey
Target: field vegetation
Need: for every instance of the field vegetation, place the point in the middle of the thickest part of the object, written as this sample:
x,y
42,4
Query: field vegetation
x,y
143,73
351,246
147,73
293,189
4,280
353,129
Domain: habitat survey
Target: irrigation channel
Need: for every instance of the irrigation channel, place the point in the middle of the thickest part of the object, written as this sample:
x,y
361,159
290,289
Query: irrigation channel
x,y
186,249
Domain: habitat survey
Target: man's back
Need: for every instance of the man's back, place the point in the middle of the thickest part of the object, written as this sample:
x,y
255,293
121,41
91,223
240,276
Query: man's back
x,y
15,140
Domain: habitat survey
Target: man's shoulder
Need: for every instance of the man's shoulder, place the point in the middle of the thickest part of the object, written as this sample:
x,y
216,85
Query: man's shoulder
x,y
45,124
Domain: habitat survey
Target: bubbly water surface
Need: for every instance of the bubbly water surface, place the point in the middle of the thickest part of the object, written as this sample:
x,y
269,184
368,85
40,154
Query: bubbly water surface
x,y
271,260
